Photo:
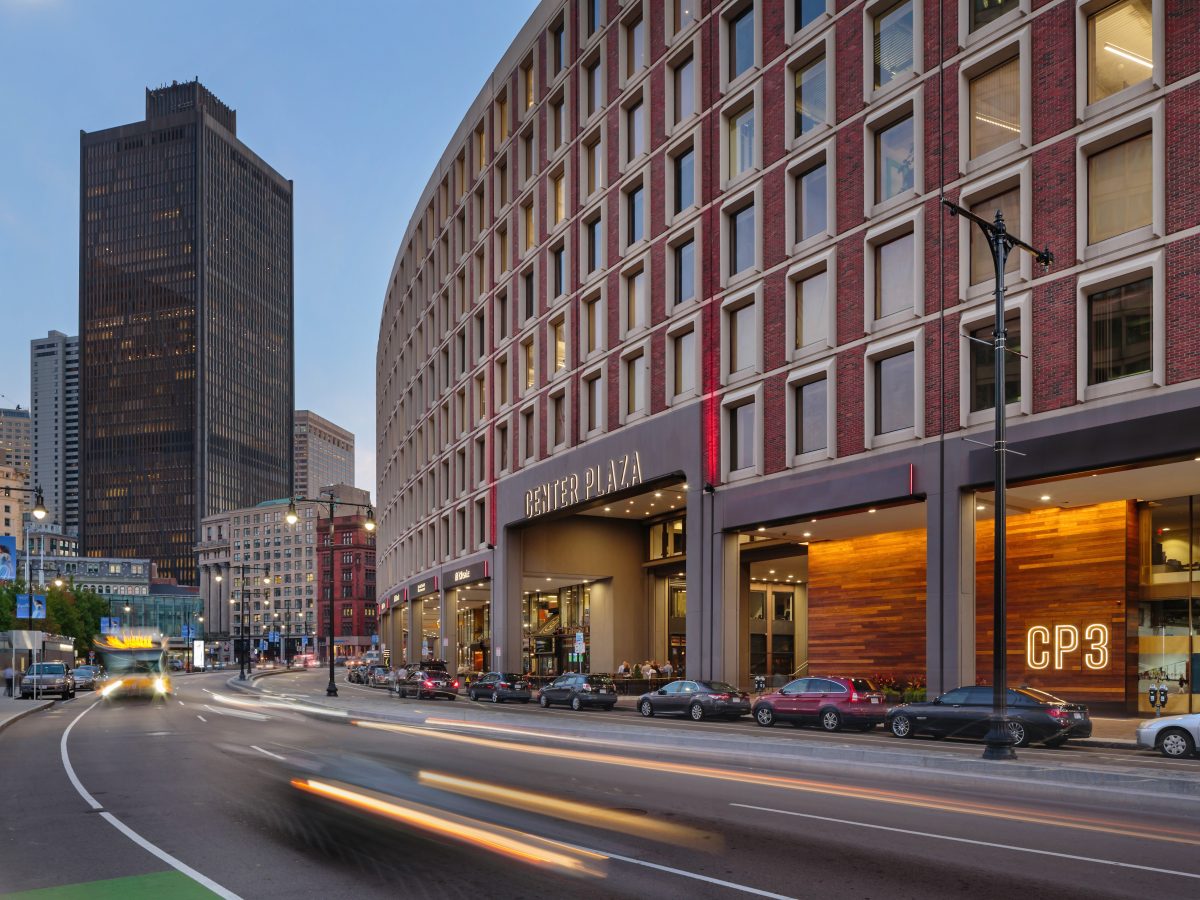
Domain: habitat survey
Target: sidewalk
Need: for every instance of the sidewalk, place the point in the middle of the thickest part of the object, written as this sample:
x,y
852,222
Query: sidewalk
x,y
12,709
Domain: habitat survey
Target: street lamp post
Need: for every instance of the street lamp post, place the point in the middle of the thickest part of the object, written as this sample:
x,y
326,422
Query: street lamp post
x,y
1001,243
242,569
292,518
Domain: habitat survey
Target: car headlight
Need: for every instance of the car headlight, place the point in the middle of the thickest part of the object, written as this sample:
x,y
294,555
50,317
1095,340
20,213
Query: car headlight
x,y
160,685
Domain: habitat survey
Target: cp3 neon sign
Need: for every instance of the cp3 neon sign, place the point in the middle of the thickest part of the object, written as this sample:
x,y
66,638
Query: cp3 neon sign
x,y
1049,645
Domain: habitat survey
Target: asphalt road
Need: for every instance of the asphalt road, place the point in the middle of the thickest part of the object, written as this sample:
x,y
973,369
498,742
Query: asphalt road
x,y
214,791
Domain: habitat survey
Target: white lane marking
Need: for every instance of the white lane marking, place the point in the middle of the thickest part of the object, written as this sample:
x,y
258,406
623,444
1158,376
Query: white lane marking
x,y
241,714
961,840
112,820
266,752
180,703
201,718
683,873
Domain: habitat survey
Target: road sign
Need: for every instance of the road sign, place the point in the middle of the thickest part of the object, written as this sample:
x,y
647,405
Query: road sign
x,y
304,641
374,639
262,646
579,644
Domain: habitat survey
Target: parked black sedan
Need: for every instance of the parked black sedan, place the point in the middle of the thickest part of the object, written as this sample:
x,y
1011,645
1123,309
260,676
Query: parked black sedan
x,y
1033,716
696,699
428,685
578,691
498,687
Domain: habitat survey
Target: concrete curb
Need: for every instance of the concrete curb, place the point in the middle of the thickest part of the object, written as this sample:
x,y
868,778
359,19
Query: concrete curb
x,y
34,707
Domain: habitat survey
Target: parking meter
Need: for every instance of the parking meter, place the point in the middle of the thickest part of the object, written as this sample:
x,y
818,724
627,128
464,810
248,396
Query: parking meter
x,y
760,683
1153,697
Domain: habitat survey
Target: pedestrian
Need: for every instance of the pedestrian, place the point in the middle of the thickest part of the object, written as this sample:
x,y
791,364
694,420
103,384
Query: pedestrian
x,y
8,681
623,668
648,669
667,669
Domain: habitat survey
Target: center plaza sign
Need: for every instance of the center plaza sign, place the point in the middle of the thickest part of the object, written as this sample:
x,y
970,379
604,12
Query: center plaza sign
x,y
616,474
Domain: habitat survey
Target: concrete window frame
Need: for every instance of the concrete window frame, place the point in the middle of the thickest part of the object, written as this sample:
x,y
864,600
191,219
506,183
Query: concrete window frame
x,y
501,382
628,354
587,218
563,318
558,141
592,142
679,327
527,156
637,98
675,34
586,40
751,194
640,180
729,403
564,245
912,222
524,321
598,296
732,304
726,50
822,46
1019,176
689,140
871,10
527,84
913,340
985,34
1149,264
529,359
1084,111
553,446
502,448
824,153
800,35
630,267
502,194
596,373
748,98
797,274
561,170
596,58
528,421
693,232
481,517
527,205
1150,120
826,371
913,105
689,49
1015,45
639,10
1016,305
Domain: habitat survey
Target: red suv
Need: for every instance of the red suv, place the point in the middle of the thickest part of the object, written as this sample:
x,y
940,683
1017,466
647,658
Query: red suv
x,y
832,702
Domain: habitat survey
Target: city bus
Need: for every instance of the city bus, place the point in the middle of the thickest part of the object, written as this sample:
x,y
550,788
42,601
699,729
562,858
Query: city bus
x,y
136,665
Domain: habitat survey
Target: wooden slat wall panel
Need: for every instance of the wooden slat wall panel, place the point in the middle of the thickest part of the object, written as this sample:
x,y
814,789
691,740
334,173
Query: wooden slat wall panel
x,y
866,605
1065,566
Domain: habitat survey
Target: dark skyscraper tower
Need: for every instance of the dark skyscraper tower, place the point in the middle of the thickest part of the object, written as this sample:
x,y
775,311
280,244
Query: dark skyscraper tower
x,y
185,328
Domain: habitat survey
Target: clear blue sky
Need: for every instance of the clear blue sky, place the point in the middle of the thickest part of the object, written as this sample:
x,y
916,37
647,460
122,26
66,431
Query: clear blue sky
x,y
354,101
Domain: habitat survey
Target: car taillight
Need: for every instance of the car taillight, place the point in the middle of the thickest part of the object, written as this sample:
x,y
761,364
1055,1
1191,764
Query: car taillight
x,y
454,684
587,687
1057,712
427,683
720,696
503,684
854,696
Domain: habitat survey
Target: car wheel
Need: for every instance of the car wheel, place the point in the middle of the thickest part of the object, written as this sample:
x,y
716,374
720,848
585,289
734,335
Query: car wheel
x,y
495,696
576,703
831,719
696,711
1019,735
646,708
764,716
1176,744
902,726
544,701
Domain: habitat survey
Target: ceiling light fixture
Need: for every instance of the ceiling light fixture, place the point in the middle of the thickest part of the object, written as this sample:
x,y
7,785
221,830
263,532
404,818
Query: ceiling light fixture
x,y
1045,497
871,510
808,534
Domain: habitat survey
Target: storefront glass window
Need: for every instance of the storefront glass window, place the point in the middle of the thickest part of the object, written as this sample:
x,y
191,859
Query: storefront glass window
x,y
1169,604
758,604
783,607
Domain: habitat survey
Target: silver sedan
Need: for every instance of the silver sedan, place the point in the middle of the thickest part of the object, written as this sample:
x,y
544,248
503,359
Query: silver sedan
x,y
1175,737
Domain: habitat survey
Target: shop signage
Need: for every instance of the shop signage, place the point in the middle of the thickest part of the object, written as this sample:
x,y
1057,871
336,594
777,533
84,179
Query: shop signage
x,y
616,474
476,572
420,588
1067,646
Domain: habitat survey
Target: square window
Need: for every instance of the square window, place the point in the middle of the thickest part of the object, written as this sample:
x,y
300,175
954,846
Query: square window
x,y
686,13
995,98
684,351
805,12
894,285
636,218
983,365
685,89
741,141
984,12
741,43
895,153
893,44
812,312
743,339
811,416
1009,204
1120,189
812,202
685,271
811,97
894,392
685,180
1120,47
741,239
741,437
1120,332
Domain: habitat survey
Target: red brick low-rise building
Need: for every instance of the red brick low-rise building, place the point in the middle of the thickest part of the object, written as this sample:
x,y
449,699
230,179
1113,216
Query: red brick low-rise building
x,y
346,585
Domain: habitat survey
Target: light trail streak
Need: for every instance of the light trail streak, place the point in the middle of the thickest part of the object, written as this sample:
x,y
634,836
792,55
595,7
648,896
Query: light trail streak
x,y
993,811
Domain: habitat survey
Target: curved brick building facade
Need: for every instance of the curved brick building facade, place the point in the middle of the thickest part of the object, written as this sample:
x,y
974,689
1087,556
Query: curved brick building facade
x,y
676,359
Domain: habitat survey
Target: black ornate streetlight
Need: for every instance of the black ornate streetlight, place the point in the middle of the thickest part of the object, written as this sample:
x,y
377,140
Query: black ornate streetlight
x,y
330,498
242,569
1002,243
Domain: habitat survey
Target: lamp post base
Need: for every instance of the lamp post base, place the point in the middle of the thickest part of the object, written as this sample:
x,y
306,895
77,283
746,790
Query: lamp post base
x,y
999,740
331,690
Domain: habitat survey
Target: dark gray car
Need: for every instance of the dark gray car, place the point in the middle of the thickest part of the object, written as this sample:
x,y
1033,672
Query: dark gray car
x,y
48,678
428,685
578,691
498,687
696,700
